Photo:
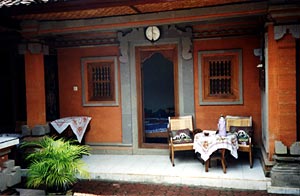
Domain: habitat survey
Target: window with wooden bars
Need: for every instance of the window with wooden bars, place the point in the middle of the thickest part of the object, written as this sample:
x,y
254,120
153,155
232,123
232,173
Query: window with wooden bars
x,y
220,77
99,81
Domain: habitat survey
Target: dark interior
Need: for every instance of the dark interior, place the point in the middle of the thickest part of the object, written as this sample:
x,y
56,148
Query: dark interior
x,y
158,96
12,84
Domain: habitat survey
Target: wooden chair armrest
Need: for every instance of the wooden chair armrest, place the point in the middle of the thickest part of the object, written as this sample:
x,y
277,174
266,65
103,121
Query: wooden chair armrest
x,y
170,136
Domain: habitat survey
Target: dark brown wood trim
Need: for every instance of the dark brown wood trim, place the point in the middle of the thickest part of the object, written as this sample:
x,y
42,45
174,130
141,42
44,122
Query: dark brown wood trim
x,y
170,52
63,6
119,22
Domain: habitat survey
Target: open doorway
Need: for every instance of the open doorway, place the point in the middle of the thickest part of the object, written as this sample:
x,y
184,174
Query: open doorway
x,y
157,90
158,97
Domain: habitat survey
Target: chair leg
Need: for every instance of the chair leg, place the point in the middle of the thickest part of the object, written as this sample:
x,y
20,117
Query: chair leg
x,y
172,155
170,152
173,158
250,158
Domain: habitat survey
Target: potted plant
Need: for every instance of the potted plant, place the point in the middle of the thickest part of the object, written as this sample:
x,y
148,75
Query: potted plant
x,y
55,164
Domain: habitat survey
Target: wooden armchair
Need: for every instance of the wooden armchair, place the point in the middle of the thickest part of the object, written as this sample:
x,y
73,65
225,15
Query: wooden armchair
x,y
242,127
180,134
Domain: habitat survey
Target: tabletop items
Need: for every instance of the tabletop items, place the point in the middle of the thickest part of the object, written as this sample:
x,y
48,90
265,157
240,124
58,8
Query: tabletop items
x,y
206,145
222,126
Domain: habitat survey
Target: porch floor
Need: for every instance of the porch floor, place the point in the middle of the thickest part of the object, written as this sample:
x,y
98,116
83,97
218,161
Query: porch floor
x,y
188,170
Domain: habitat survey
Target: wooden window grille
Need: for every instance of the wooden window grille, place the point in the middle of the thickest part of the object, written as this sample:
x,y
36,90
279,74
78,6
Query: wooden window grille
x,y
100,81
221,78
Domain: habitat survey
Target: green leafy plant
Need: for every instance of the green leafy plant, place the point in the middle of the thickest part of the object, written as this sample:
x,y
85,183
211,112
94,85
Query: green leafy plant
x,y
55,164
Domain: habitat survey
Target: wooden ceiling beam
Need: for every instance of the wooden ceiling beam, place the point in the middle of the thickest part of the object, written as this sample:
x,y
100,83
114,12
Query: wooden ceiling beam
x,y
135,9
44,28
64,6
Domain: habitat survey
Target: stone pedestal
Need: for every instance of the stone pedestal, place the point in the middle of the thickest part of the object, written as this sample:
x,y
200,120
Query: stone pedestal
x,y
286,175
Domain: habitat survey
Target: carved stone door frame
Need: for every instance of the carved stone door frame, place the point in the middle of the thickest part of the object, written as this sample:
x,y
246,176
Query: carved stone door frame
x,y
129,41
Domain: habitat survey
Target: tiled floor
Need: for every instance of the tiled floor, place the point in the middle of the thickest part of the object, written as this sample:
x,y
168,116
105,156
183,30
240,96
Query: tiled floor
x,y
187,171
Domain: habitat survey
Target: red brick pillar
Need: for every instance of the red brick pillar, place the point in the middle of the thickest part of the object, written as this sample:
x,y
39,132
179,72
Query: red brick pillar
x,y
282,89
35,89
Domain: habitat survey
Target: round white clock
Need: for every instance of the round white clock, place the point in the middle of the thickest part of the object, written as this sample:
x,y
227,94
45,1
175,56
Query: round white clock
x,y
152,33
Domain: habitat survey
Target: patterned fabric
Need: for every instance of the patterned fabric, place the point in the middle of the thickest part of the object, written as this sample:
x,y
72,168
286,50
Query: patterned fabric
x,y
243,134
207,145
9,3
182,136
78,125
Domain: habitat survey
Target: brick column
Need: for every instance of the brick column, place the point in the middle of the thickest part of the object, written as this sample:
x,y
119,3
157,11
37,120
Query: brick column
x,y
282,89
35,88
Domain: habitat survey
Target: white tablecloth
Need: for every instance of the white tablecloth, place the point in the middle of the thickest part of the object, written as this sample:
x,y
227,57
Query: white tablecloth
x,y
206,145
78,125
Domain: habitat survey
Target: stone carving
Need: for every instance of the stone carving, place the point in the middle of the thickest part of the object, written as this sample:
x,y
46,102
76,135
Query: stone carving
x,y
280,31
33,48
26,131
257,52
169,32
187,44
123,48
286,171
280,148
186,48
295,148
295,30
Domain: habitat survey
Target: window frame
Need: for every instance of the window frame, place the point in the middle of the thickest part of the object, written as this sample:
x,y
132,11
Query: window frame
x,y
86,101
237,84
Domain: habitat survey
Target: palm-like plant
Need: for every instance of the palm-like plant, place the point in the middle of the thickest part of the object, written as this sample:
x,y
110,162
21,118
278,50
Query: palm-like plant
x,y
55,164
